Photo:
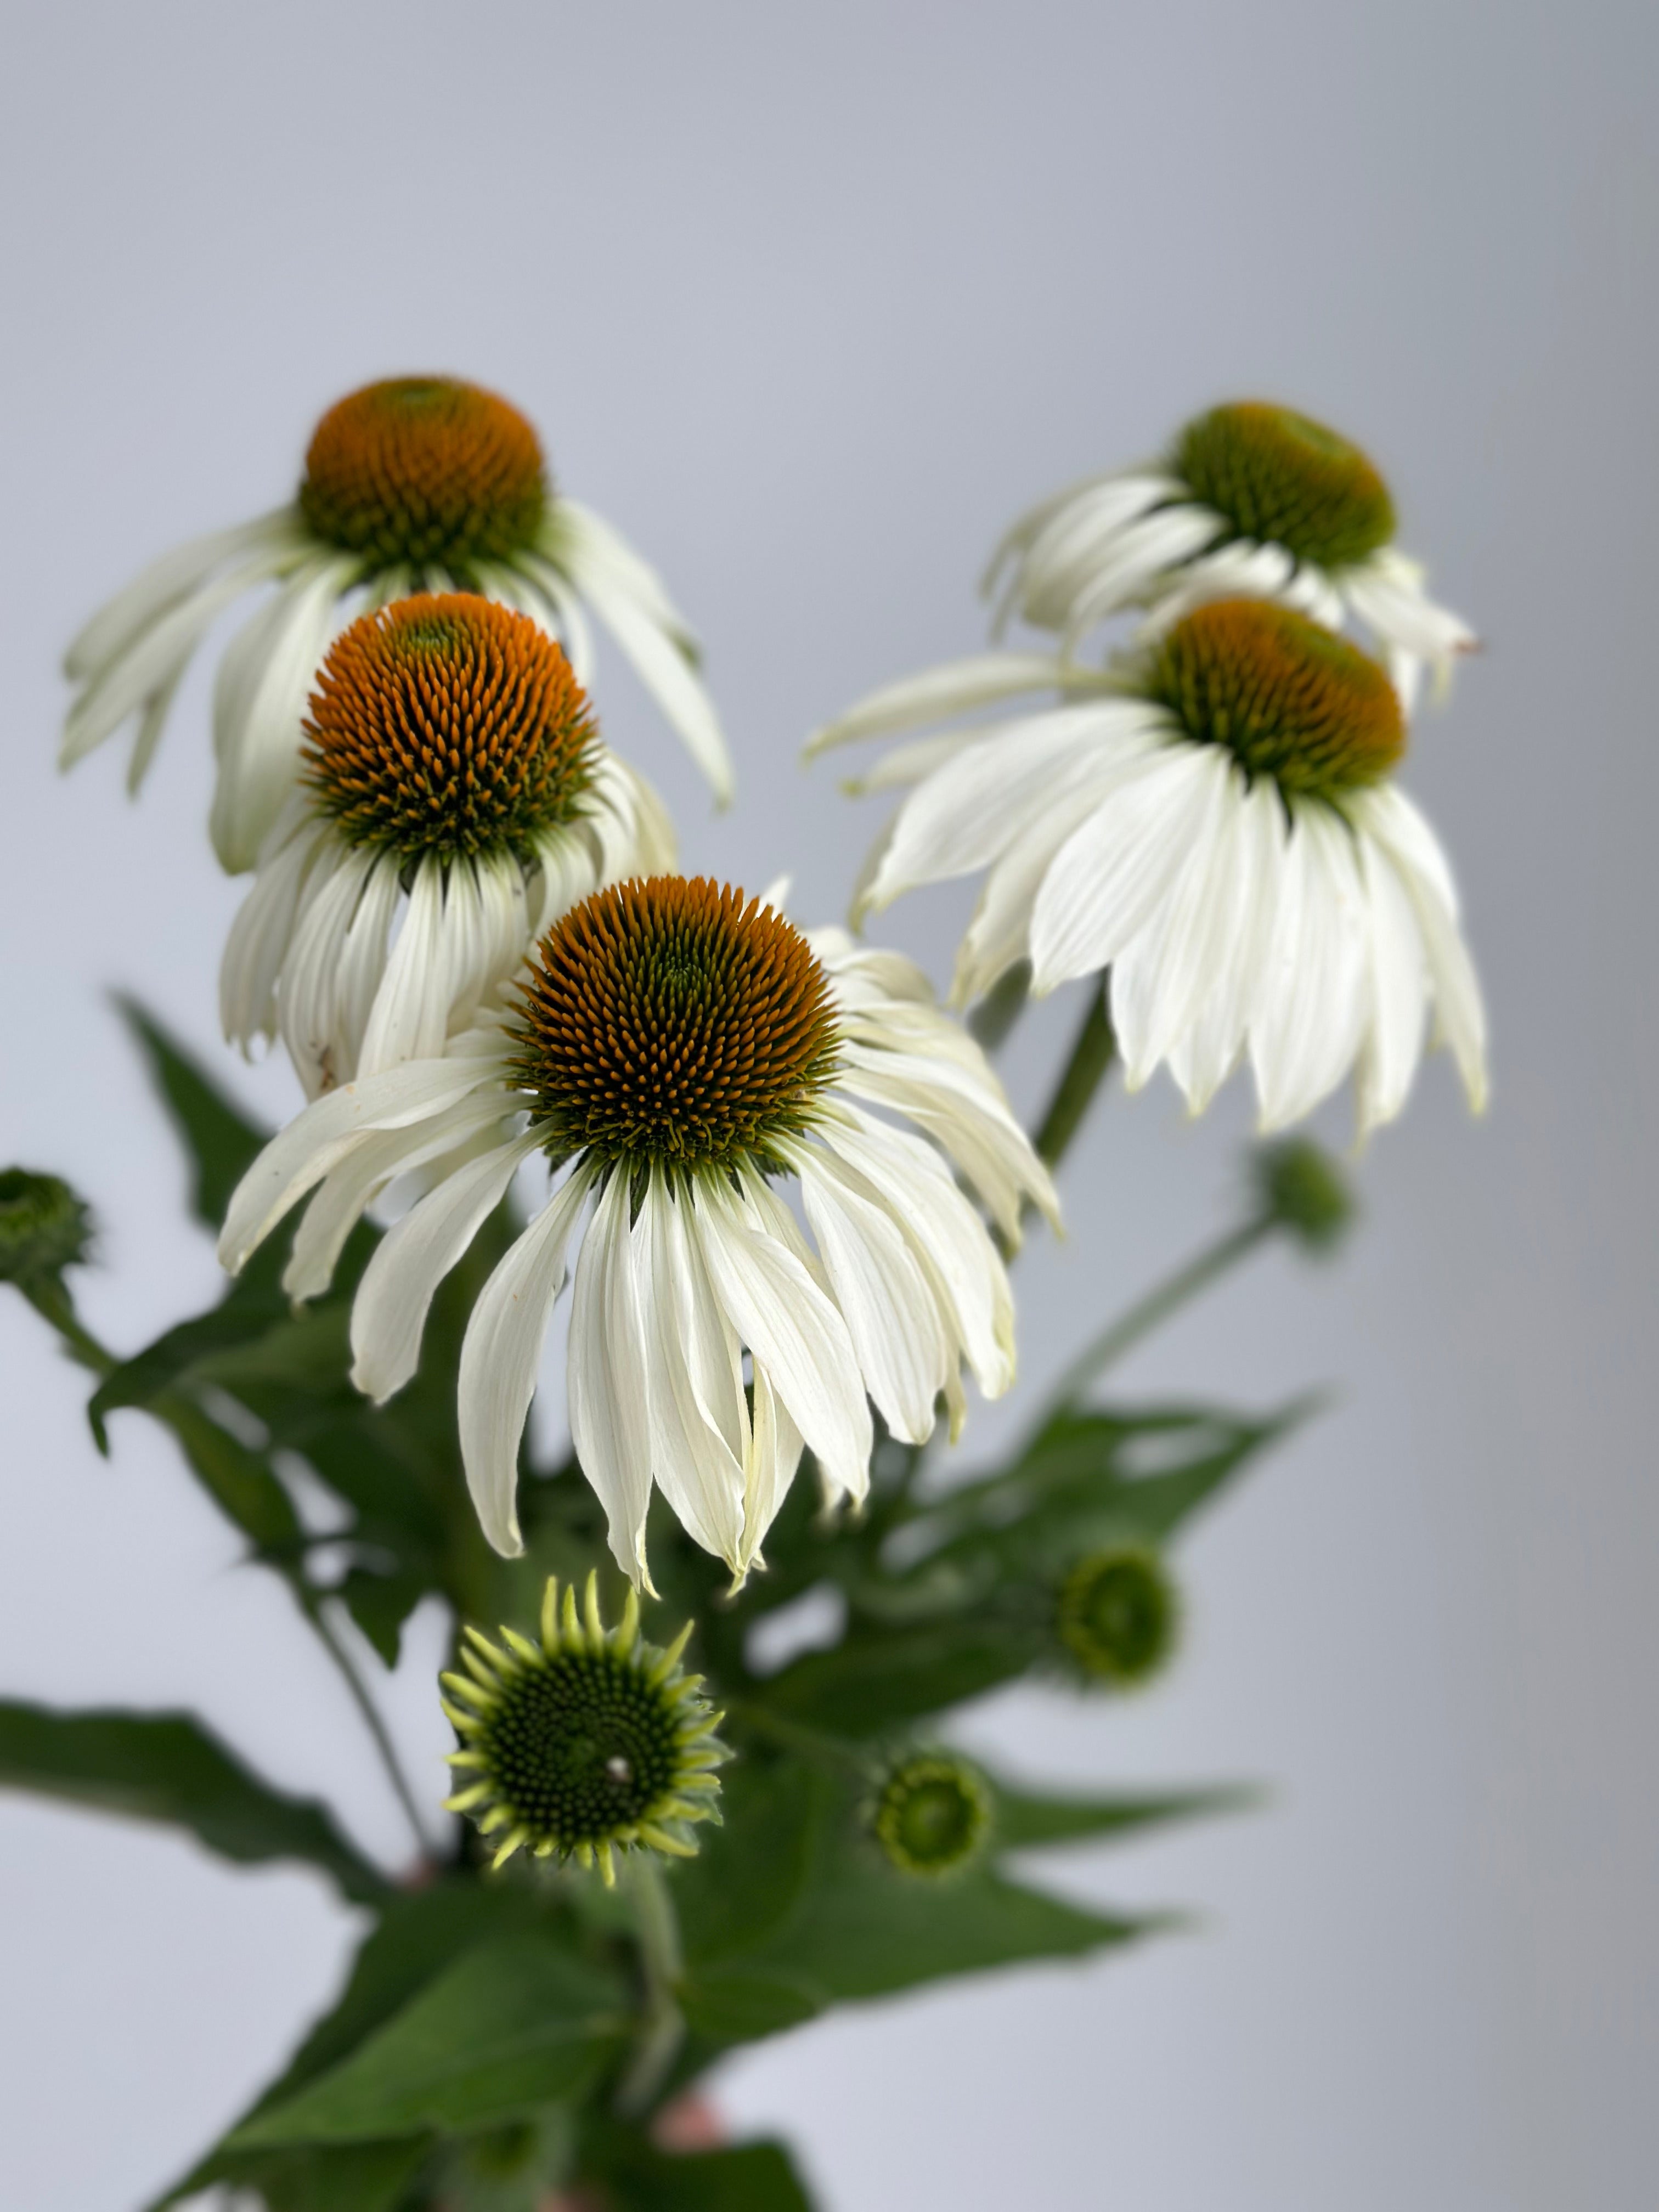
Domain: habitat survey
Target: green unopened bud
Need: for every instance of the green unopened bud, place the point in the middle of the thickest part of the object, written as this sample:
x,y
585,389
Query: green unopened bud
x,y
1118,1615
1302,1189
932,1814
587,1743
44,1226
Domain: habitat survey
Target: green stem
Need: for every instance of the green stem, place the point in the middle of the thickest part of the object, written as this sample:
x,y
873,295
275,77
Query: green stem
x,y
662,1962
1001,1006
312,1606
1093,1054
1158,1304
52,1300
794,1736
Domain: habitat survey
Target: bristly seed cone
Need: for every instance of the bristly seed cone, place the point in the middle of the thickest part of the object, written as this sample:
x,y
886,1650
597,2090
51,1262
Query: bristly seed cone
x,y
446,724
1280,476
669,1020
585,1744
1293,701
421,469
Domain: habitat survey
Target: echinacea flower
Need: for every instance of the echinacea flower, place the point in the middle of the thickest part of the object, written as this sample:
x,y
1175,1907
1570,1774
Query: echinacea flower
x,y
585,1744
417,483
451,782
1253,499
678,1049
1218,825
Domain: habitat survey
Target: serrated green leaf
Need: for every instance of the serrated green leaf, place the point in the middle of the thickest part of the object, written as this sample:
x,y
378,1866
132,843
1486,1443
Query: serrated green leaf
x,y
1025,1817
518,2023
168,1767
220,1139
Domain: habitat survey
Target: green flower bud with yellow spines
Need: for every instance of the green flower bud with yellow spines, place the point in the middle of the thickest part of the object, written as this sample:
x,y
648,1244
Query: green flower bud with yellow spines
x,y
585,1744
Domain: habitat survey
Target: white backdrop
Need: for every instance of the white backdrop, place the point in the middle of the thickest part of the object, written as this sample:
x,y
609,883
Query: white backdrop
x,y
810,303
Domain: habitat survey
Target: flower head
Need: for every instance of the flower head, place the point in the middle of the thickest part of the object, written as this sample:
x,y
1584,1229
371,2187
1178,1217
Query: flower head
x,y
1252,499
585,1744
44,1226
1117,1616
419,483
932,1814
452,777
421,469
1215,821
675,1051
1300,1187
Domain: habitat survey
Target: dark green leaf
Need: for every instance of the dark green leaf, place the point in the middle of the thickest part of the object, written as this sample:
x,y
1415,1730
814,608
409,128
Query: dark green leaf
x,y
881,1677
518,2023
344,2178
238,1480
1023,1817
753,2177
750,1870
219,1139
167,1766
738,2007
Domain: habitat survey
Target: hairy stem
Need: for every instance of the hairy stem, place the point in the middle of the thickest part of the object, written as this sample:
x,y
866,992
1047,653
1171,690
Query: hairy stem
x,y
662,2025
1159,1303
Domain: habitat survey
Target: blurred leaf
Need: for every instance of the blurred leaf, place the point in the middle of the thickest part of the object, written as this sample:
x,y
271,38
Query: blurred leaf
x,y
880,1677
167,1766
753,2177
1025,1817
516,2023
738,2007
348,2177
750,1871
857,1928
239,1482
220,1141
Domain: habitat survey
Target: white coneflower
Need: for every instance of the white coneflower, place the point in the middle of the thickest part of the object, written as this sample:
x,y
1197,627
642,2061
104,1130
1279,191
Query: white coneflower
x,y
1218,826
675,1049
453,782
1253,499
417,483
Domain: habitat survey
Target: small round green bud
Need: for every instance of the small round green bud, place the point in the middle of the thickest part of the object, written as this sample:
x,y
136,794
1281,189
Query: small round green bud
x,y
1301,1189
44,1226
932,1814
588,1743
1118,1614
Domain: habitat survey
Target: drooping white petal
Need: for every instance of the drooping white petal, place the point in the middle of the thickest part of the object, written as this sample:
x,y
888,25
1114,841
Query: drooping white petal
x,y
970,811
957,687
966,1113
606,1371
1141,555
694,1409
1460,1018
261,933
301,1155
389,1313
628,597
774,1453
1310,1015
141,604
311,973
1387,593
411,1018
151,664
1117,867
1164,973
500,1354
1248,891
883,1296
259,704
362,960
346,1193
793,1328
968,1280
1394,1040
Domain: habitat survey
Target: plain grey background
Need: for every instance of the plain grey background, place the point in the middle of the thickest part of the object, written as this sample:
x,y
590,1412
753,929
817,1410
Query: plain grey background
x,y
810,302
